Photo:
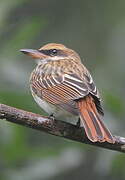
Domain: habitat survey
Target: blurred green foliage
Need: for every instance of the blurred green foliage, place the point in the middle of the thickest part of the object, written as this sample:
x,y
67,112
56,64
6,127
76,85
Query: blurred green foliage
x,y
114,103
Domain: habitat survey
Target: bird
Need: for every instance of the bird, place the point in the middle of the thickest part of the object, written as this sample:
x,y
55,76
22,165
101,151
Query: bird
x,y
62,86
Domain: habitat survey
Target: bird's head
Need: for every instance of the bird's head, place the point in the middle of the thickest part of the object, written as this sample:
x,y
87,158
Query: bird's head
x,y
51,52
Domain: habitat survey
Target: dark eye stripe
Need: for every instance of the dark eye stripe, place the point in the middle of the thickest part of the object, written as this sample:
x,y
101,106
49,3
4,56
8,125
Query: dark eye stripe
x,y
53,52
50,52
46,52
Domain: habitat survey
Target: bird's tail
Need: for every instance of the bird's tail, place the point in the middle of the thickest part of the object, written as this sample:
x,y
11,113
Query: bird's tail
x,y
95,129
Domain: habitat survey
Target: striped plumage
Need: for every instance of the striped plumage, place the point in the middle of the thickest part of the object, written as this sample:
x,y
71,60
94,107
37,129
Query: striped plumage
x,y
62,86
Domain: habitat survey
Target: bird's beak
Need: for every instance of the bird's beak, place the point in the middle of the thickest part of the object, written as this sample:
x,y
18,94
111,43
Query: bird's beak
x,y
35,54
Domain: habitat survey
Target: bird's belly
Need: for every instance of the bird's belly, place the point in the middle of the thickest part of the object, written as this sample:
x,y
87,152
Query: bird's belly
x,y
47,107
55,110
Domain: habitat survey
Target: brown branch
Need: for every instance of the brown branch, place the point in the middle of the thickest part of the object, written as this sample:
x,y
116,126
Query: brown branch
x,y
55,127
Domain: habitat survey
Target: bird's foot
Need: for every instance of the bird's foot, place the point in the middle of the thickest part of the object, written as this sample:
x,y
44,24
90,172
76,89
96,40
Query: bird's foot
x,y
52,117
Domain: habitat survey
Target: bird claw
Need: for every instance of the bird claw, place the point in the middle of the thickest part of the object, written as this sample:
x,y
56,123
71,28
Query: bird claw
x,y
52,117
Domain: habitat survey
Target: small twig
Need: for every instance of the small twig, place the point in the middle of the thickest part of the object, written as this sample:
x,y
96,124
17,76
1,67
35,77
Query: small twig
x,y
55,127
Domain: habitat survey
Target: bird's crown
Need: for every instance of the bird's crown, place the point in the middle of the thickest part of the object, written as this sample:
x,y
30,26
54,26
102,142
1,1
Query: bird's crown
x,y
53,46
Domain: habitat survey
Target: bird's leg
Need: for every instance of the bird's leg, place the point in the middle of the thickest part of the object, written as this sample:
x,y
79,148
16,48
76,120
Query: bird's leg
x,y
51,116
78,123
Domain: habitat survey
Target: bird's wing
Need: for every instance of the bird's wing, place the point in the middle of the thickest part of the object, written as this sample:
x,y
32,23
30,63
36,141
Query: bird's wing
x,y
65,88
60,90
93,91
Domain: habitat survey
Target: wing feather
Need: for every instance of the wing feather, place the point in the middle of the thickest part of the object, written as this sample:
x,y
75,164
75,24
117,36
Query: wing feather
x,y
94,92
61,89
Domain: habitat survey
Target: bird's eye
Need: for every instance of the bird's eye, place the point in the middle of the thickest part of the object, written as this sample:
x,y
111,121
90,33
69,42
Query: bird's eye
x,y
53,52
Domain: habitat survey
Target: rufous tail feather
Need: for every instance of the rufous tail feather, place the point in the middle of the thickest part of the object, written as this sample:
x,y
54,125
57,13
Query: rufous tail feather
x,y
94,127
